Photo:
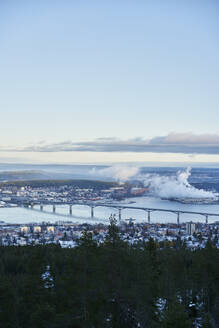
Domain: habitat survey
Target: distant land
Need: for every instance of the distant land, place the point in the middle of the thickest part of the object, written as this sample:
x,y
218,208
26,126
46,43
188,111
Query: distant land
x,y
83,184
92,176
24,175
14,172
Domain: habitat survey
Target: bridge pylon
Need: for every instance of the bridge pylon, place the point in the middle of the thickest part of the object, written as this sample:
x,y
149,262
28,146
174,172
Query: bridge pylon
x,y
178,218
206,219
149,217
92,212
120,215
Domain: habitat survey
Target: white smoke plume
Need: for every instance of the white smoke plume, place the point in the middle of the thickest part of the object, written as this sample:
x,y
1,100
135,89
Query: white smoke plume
x,y
117,172
175,186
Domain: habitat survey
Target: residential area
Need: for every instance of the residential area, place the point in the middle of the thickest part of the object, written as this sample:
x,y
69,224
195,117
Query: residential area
x,y
67,233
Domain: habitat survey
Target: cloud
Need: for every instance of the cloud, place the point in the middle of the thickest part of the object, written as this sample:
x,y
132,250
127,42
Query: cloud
x,y
187,143
187,138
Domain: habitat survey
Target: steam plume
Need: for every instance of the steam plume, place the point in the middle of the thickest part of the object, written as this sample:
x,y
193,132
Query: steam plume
x,y
175,186
118,173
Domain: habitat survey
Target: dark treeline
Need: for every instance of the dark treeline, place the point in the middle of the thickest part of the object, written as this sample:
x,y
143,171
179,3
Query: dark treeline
x,y
94,184
109,285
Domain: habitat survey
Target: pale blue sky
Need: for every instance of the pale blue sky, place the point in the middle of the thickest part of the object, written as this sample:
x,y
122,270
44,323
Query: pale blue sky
x,y
81,70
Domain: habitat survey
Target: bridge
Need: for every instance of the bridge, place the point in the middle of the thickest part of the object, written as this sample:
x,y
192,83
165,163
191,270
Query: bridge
x,y
121,207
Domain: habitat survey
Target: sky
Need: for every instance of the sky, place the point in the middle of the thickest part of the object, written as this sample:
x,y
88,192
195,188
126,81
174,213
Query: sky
x,y
118,81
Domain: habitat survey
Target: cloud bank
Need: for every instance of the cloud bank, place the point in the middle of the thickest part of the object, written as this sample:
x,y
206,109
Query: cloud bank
x,y
186,143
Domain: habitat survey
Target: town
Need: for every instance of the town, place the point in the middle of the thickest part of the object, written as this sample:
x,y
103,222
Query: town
x,y
53,192
67,234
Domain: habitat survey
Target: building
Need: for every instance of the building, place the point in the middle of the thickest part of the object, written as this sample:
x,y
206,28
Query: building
x,y
24,229
190,228
36,229
50,229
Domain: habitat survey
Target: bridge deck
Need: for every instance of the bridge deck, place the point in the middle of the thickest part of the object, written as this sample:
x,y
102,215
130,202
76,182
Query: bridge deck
x,y
148,209
155,209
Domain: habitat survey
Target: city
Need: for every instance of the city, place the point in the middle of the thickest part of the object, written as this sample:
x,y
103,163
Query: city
x,y
67,233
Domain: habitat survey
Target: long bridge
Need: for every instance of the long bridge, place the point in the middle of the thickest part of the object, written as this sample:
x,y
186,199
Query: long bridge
x,y
121,207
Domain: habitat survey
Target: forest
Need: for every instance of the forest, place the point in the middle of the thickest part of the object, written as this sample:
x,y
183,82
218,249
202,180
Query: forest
x,y
94,184
113,284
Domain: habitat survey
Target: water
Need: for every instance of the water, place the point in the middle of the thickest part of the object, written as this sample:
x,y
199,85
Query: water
x,y
81,214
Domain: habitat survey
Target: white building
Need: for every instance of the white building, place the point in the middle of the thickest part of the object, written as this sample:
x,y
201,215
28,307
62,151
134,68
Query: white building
x,y
190,228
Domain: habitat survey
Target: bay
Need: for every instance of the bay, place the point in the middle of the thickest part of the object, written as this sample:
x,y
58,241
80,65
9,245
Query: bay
x,y
82,214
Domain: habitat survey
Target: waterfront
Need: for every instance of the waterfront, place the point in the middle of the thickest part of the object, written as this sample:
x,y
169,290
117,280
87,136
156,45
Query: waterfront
x,y
81,213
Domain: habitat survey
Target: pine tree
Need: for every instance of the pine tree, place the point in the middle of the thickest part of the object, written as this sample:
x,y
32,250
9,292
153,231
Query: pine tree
x,y
206,321
175,316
